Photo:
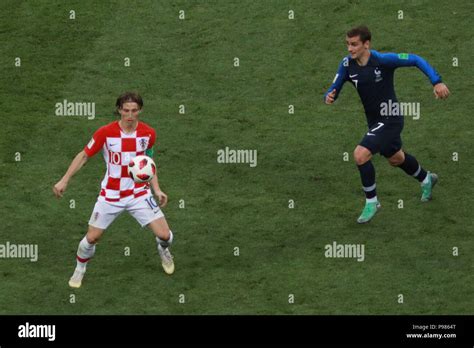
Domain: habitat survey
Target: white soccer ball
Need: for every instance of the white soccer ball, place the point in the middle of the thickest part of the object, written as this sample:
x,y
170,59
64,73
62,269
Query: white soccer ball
x,y
141,169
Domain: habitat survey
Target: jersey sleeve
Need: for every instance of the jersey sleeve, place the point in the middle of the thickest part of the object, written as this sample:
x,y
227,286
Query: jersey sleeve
x,y
96,143
152,139
339,79
394,60
149,150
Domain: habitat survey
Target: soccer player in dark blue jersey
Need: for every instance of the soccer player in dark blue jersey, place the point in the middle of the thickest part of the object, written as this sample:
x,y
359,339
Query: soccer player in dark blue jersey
x,y
371,73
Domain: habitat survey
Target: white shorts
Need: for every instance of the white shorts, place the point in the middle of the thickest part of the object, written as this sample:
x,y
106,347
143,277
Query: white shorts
x,y
144,209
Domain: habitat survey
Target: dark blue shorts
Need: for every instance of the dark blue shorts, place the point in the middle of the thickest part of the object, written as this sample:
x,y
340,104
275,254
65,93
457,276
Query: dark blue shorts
x,y
383,137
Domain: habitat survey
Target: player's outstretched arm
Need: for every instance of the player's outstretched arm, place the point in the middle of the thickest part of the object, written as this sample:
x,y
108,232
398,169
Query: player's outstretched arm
x,y
76,164
394,60
162,197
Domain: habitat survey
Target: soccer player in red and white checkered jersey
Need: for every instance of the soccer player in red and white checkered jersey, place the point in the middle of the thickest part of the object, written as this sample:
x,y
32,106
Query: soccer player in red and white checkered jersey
x,y
119,142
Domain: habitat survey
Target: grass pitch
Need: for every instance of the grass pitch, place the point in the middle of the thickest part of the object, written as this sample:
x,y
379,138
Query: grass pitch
x,y
190,62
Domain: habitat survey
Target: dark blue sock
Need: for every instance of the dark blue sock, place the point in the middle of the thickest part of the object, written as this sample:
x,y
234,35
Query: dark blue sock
x,y
367,175
413,168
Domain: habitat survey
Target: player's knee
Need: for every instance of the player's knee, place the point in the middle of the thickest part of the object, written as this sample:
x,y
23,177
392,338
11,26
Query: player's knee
x,y
394,162
166,237
163,234
93,235
160,228
92,239
360,156
170,237
397,159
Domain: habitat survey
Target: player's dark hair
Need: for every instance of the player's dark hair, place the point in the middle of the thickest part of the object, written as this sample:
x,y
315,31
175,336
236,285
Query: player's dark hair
x,y
362,31
129,97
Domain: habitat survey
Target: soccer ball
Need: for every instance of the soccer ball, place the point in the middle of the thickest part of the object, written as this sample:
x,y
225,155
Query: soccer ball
x,y
141,169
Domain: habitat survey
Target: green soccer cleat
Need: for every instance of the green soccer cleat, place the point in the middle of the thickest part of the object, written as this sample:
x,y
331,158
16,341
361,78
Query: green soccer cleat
x,y
369,212
427,189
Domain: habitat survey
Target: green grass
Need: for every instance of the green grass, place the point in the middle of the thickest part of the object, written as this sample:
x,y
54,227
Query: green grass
x,y
300,157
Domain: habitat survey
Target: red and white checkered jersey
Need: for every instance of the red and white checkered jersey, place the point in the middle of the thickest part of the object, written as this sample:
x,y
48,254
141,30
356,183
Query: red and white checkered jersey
x,y
118,148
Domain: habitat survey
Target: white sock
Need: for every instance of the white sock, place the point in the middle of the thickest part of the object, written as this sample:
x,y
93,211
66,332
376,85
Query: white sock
x,y
85,251
371,200
426,179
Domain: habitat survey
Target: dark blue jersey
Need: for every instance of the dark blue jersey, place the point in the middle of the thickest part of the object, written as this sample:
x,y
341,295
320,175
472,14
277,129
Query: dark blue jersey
x,y
374,81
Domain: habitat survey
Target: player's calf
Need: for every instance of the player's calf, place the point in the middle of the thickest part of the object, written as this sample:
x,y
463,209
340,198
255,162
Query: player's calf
x,y
411,166
165,254
164,238
85,252
367,175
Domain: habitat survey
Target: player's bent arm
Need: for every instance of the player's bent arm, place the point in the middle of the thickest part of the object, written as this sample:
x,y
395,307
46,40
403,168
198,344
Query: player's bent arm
x,y
408,59
76,164
162,197
393,60
341,77
154,184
